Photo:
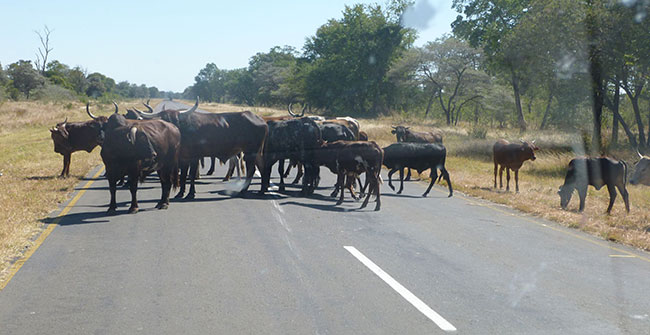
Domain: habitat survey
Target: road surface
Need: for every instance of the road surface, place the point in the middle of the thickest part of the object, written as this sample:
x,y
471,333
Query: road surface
x,y
284,264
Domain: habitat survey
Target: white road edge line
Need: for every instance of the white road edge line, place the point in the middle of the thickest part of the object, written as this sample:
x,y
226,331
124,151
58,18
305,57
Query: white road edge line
x,y
403,291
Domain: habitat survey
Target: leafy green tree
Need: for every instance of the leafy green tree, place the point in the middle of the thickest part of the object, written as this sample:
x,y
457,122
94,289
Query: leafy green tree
x,y
239,86
485,24
24,77
77,80
270,72
57,73
99,85
350,58
209,83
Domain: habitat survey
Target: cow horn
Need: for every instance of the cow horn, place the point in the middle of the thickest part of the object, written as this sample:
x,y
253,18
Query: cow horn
x,y
89,113
294,114
131,135
522,140
66,121
116,109
196,105
638,153
147,116
148,107
394,127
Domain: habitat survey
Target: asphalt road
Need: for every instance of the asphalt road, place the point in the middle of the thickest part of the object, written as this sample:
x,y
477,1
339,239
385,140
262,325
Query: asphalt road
x,y
284,264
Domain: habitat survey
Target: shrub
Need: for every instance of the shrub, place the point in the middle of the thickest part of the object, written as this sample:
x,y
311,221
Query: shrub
x,y
53,93
479,132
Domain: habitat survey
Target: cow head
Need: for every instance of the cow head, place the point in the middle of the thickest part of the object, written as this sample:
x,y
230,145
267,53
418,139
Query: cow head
x,y
400,132
133,114
641,171
60,136
528,150
294,114
565,193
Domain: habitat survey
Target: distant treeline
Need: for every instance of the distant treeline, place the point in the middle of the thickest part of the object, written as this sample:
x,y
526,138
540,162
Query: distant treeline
x,y
569,64
21,80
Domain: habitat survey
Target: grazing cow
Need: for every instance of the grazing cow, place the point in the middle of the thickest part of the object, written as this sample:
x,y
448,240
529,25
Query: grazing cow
x,y
511,156
641,171
69,137
348,159
220,135
405,134
137,148
295,140
596,172
418,156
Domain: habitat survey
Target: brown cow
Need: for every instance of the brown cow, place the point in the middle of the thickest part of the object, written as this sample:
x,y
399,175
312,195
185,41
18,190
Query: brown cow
x,y
405,134
511,156
69,137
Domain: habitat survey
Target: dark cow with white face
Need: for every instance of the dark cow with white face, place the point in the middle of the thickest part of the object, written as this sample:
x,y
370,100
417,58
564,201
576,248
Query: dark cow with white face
x,y
641,171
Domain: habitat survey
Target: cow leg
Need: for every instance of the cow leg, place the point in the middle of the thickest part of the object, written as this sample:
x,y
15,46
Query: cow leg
x,y
348,184
501,176
166,184
434,177
517,181
375,179
340,181
300,173
626,196
445,175
401,181
612,197
582,194
496,167
112,187
194,167
213,163
336,188
286,172
507,179
183,180
280,170
390,181
251,160
66,166
133,187
408,174
231,168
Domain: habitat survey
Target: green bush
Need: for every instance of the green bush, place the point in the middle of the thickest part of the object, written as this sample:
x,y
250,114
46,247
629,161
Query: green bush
x,y
479,132
54,93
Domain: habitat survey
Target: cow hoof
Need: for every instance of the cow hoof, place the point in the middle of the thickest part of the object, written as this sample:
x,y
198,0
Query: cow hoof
x,y
399,192
450,195
162,206
425,195
210,172
133,210
178,196
281,189
225,179
111,210
189,196
377,208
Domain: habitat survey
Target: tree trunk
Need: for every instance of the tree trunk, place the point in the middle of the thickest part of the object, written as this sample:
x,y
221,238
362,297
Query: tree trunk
x,y
615,107
626,128
597,82
429,104
637,115
520,114
547,111
458,114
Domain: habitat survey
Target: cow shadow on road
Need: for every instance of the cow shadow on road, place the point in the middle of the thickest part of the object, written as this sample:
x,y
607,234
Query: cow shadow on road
x,y
78,218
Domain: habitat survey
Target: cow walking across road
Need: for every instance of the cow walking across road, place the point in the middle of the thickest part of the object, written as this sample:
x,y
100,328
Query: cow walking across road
x,y
511,156
405,134
418,156
596,172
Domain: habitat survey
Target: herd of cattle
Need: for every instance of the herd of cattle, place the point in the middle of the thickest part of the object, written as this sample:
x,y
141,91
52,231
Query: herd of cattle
x,y
173,142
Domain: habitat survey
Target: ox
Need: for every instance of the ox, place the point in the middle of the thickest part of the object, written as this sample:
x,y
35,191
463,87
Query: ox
x,y
348,159
220,135
295,140
641,171
418,156
69,137
511,156
137,148
596,172
405,134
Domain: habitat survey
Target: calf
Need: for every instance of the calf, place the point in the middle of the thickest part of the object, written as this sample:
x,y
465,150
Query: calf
x,y
418,156
641,172
511,156
69,137
595,172
348,159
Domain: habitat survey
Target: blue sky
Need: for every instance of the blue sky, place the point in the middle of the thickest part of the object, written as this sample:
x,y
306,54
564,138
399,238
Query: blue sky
x,y
165,43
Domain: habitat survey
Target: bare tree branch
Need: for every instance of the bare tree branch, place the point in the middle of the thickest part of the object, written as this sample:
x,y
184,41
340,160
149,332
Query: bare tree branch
x,y
44,50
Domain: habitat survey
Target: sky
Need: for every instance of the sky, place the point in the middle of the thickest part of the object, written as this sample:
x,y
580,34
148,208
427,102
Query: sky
x,y
165,43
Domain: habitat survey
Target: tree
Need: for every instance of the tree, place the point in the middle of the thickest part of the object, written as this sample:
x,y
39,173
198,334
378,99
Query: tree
x,y
77,80
44,50
24,77
349,59
57,73
485,24
447,64
209,83
270,72
99,85
239,86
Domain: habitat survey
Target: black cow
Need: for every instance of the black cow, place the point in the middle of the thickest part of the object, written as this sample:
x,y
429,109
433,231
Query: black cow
x,y
348,159
220,135
137,148
596,172
405,134
418,156
69,137
295,140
